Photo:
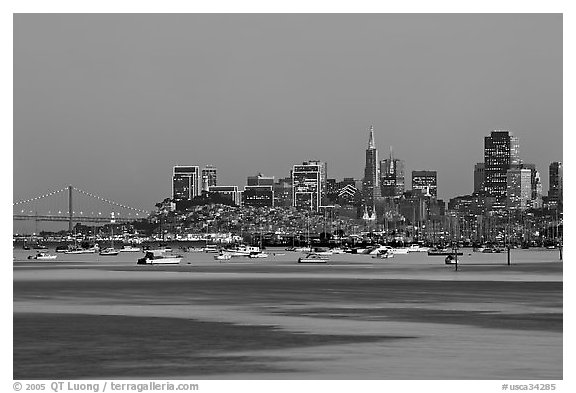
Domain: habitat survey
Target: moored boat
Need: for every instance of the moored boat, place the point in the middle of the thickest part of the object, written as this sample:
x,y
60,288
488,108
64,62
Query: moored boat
x,y
223,256
313,258
258,255
384,254
400,250
42,256
443,252
158,257
109,251
130,249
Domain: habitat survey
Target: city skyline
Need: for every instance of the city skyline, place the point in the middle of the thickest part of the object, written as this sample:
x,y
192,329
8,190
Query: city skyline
x,y
124,115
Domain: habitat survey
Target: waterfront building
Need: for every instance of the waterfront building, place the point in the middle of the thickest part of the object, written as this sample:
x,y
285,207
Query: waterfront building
x,y
556,183
371,181
392,177
258,196
519,188
501,152
260,180
426,181
185,182
479,177
331,190
209,177
229,192
306,186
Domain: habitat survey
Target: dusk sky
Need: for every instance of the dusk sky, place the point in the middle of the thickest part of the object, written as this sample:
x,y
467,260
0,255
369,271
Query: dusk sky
x,y
111,102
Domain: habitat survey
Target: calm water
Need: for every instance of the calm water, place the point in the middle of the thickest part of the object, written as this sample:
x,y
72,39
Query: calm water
x,y
411,317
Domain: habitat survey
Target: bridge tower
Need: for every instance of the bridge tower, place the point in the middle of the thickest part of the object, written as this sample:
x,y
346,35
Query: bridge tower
x,y
70,226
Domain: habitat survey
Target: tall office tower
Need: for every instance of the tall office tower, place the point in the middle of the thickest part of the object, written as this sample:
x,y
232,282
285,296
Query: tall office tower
x,y
426,181
323,178
501,152
518,188
556,182
306,186
209,177
371,181
392,177
536,189
185,182
260,180
479,177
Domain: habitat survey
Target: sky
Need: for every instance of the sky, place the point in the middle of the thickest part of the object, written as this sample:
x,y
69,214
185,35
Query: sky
x,y
111,102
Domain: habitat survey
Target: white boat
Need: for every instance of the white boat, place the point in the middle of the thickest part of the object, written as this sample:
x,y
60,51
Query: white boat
x,y
90,250
385,254
242,251
224,256
313,258
42,256
157,257
379,249
130,249
414,248
258,255
337,250
303,249
109,251
400,250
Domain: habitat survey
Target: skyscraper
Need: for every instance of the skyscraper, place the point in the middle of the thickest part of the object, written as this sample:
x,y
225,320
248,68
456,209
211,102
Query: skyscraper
x,y
371,181
518,188
479,177
426,181
556,179
536,189
209,177
323,178
185,182
501,151
306,186
392,177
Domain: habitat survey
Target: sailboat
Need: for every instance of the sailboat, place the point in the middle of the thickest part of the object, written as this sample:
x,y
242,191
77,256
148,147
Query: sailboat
x,y
110,251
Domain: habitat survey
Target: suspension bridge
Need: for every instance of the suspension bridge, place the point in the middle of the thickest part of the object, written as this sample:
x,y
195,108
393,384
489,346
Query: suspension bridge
x,y
73,205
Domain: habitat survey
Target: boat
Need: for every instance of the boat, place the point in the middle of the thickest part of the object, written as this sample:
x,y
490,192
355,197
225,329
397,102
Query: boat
x,y
400,250
258,255
443,252
40,247
384,254
414,248
42,256
337,250
109,251
223,256
377,250
242,250
158,257
313,258
130,249
450,260
79,250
